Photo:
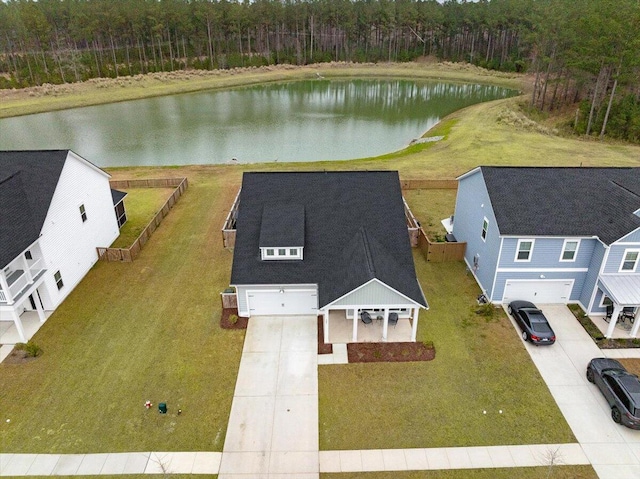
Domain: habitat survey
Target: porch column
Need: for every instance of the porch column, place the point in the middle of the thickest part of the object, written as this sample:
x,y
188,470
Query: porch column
x,y
5,287
18,323
355,326
414,323
27,271
36,299
385,324
325,313
636,324
614,320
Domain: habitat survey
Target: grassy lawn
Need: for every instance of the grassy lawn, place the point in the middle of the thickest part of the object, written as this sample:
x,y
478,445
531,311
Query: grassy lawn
x,y
130,333
558,472
430,207
480,366
632,365
141,204
148,330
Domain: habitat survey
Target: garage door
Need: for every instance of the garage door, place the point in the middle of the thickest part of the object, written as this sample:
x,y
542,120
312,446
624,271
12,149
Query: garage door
x,y
262,303
542,291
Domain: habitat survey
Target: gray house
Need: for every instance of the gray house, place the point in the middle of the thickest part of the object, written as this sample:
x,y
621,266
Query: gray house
x,y
313,243
553,235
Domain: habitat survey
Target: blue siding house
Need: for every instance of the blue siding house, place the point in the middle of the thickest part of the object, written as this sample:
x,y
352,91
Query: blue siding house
x,y
553,235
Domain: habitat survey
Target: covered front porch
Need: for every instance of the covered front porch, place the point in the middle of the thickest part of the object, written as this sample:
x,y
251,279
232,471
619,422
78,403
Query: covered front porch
x,y
623,292
11,333
341,329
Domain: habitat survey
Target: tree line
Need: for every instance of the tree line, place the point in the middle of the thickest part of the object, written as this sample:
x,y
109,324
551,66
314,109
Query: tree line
x,y
584,52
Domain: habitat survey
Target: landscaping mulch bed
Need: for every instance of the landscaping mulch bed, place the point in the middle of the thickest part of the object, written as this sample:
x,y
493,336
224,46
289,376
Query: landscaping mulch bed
x,y
596,334
390,352
18,356
225,323
323,348
379,352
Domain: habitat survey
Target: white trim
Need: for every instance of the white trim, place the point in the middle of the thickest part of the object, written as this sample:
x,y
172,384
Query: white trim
x,y
87,162
575,252
625,260
594,237
469,173
572,281
411,301
495,275
485,232
276,254
605,257
524,240
542,270
604,295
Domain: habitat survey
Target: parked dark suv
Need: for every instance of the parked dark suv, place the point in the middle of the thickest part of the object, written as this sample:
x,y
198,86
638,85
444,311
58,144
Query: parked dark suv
x,y
619,387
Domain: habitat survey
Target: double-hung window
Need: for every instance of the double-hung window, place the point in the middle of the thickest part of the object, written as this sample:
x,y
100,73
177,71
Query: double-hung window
x,y
630,260
58,278
569,250
524,250
485,229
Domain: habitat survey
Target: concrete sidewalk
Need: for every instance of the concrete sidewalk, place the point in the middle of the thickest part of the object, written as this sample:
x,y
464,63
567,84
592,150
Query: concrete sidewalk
x,y
613,450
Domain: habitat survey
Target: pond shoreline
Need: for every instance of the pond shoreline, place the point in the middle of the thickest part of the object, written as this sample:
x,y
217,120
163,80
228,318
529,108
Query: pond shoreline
x,y
100,91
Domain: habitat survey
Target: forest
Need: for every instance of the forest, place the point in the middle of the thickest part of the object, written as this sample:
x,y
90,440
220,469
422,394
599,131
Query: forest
x,y
582,55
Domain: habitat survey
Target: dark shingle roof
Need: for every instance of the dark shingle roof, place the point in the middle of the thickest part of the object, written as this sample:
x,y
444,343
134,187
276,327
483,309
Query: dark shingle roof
x,y
354,230
282,225
547,201
117,196
28,180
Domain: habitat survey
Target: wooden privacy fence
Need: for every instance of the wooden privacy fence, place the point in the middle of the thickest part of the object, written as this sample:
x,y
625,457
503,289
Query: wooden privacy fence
x,y
437,252
429,184
127,255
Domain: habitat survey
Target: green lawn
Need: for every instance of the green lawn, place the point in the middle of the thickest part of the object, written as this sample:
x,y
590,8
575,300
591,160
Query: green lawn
x,y
558,472
480,366
141,205
130,333
430,207
149,330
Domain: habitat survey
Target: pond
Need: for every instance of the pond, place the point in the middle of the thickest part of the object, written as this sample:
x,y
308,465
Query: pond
x,y
297,121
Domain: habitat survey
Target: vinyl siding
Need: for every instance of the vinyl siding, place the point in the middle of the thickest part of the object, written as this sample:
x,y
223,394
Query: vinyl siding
x,y
546,253
616,254
592,275
472,206
373,294
633,237
68,245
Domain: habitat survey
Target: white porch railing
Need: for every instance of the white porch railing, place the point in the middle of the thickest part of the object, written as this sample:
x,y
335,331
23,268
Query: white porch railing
x,y
3,297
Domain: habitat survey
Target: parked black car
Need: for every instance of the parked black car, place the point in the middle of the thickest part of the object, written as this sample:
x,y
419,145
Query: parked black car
x,y
534,324
620,388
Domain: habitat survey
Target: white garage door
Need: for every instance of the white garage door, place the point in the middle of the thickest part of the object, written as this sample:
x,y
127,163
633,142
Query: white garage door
x,y
538,291
267,303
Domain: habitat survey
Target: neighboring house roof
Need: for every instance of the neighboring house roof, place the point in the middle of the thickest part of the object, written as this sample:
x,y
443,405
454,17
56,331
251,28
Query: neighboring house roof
x,y
549,201
354,230
117,196
28,180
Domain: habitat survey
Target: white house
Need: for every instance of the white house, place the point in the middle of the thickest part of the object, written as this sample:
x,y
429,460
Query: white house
x,y
55,209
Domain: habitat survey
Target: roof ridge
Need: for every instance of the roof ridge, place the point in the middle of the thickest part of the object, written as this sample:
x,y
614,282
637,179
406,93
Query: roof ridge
x,y
367,251
625,188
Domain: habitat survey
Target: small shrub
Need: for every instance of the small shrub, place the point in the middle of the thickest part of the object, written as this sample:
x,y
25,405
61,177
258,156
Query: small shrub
x,y
486,310
233,319
30,348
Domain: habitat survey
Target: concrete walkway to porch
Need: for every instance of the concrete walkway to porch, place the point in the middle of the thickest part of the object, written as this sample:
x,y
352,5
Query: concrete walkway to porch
x,y
9,336
273,425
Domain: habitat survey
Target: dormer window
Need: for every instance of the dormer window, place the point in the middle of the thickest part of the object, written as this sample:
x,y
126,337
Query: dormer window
x,y
281,253
282,232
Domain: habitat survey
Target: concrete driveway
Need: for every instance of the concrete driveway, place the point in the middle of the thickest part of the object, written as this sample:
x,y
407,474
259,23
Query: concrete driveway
x,y
613,450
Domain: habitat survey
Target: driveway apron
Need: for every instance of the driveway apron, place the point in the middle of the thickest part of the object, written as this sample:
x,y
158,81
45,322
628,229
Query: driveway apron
x,y
273,425
613,450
